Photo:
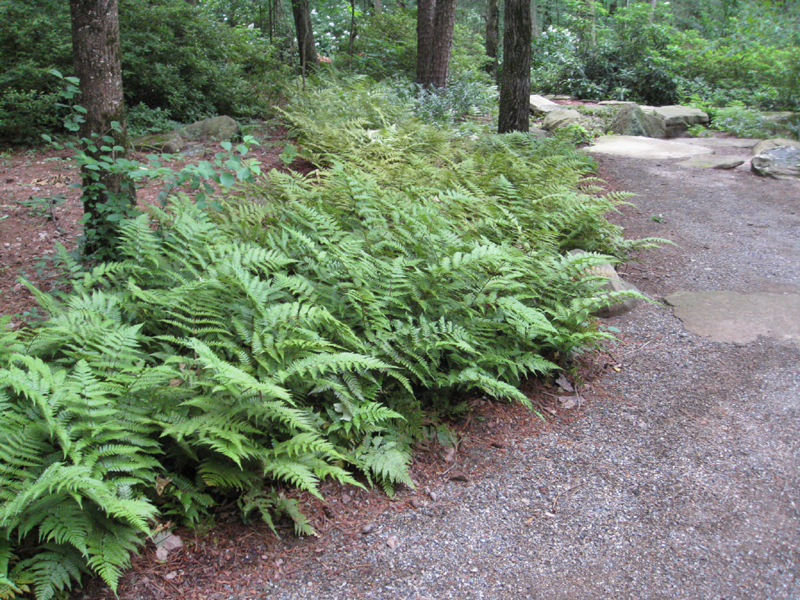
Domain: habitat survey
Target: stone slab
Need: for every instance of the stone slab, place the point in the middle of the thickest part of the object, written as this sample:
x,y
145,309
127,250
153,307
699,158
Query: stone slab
x,y
706,161
541,105
739,318
642,147
711,142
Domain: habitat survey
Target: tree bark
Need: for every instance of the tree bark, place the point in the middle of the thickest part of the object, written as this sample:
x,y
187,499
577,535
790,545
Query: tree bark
x,y
435,22
96,59
305,35
492,36
515,81
425,13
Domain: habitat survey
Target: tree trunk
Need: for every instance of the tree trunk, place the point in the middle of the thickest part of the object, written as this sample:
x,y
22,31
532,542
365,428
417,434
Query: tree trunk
x,y
425,13
96,58
435,22
492,37
515,81
535,27
305,35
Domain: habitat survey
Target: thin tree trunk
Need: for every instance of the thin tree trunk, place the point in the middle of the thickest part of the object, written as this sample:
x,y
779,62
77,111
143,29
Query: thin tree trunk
x,y
377,6
535,25
96,59
492,36
515,81
305,36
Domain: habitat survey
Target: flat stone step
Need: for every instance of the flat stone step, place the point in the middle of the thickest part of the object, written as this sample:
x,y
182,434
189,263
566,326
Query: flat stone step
x,y
642,147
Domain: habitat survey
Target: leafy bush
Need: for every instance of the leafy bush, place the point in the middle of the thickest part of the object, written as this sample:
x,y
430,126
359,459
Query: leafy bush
x,y
461,98
742,122
626,58
174,58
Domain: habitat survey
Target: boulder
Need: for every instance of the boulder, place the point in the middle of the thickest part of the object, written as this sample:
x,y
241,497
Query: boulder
x,y
614,284
774,143
677,119
631,120
216,129
559,119
541,105
170,143
782,162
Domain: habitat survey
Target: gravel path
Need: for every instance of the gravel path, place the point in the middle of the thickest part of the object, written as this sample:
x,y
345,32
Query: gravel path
x,y
677,478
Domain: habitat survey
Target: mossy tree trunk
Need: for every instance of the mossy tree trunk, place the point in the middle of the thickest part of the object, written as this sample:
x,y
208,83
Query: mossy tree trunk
x,y
96,59
515,80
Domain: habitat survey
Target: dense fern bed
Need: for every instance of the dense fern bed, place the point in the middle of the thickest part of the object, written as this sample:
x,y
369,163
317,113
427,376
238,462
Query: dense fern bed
x,y
298,330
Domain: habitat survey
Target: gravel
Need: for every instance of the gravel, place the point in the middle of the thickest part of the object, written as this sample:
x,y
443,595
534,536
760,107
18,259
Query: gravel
x,y
678,475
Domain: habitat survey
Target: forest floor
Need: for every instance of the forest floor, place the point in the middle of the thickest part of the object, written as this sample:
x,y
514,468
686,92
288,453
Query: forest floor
x,y
675,476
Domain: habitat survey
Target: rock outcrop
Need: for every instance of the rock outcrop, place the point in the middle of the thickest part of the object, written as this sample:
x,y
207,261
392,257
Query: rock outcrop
x,y
631,120
677,119
218,129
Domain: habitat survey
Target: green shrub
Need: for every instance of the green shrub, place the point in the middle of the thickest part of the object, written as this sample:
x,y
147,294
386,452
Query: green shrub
x,y
174,58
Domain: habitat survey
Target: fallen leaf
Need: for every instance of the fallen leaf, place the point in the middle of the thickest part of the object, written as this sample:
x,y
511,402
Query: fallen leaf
x,y
564,383
458,477
567,402
368,528
171,575
392,543
172,542
450,455
162,554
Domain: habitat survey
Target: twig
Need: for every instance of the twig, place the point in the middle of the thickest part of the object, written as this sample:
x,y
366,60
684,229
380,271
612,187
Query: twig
x,y
572,489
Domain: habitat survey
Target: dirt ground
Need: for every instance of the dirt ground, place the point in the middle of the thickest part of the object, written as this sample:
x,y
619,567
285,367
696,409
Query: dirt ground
x,y
674,476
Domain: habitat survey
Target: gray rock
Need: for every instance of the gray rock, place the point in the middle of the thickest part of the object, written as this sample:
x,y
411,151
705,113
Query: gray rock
x,y
631,120
541,105
538,133
616,103
217,129
677,119
782,162
614,283
170,143
774,143
712,162
559,119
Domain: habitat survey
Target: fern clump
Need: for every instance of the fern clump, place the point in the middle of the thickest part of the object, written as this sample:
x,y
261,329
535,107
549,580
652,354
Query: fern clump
x,y
297,332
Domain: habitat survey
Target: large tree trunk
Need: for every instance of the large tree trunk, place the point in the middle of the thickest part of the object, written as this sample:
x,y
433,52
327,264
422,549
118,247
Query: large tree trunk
x,y
305,35
515,81
425,13
435,22
492,36
96,58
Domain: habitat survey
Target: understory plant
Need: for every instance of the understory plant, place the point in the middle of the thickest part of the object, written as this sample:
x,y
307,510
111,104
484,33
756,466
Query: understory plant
x,y
296,329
